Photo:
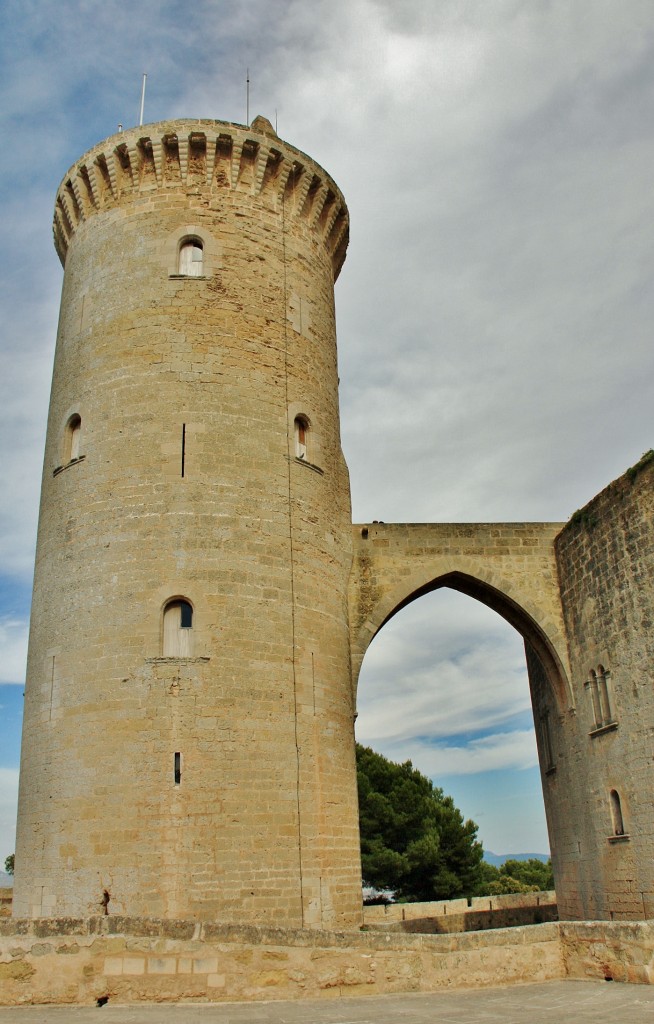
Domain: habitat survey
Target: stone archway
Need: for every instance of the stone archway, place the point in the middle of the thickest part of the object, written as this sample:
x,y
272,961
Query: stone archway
x,y
510,568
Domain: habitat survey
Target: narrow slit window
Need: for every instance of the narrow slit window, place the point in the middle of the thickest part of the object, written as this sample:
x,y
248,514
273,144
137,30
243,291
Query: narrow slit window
x,y
183,448
301,437
546,735
592,685
604,695
178,629
191,258
178,768
616,814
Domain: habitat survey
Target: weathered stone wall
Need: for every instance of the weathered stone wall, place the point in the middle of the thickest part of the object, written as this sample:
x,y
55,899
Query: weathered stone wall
x,y
606,566
129,961
73,961
187,486
6,898
613,951
448,916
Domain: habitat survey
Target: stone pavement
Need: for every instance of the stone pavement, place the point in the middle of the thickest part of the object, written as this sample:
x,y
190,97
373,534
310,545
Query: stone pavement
x,y
554,1002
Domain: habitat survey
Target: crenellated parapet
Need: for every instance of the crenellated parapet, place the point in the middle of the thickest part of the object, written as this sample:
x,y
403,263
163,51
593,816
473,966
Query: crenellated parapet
x,y
202,156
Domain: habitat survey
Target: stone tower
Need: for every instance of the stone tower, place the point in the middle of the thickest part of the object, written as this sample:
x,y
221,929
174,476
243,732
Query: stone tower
x,y
188,745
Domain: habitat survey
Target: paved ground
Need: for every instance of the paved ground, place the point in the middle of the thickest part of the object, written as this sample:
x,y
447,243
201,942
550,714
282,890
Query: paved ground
x,y
556,1002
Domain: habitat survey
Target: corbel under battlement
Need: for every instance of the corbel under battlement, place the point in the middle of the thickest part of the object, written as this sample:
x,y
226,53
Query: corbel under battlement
x,y
198,156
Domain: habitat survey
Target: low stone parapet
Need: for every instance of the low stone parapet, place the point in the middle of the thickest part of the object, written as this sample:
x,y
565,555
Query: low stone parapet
x,y
480,913
513,901
134,960
390,912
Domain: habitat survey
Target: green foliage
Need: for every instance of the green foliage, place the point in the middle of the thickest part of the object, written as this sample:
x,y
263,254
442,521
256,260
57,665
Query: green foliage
x,y
516,876
531,872
413,839
644,460
584,518
9,864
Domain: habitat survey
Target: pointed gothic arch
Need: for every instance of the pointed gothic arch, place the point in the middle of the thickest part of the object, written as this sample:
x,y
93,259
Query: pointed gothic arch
x,y
383,585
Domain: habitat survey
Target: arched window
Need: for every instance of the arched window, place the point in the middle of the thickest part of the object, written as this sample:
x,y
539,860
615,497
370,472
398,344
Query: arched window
x,y
301,436
73,437
616,814
191,258
600,693
178,629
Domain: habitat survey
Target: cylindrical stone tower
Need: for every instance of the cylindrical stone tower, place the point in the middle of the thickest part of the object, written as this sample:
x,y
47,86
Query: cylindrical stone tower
x,y
188,746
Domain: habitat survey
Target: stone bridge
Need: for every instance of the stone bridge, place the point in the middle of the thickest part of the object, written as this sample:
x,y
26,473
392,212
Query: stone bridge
x,y
511,567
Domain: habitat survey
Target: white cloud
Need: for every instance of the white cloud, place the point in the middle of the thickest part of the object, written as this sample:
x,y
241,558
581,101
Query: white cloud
x,y
508,751
443,666
497,245
13,649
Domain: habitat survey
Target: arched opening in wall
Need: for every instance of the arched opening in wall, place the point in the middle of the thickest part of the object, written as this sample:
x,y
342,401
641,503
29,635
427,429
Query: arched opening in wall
x,y
191,257
445,685
301,432
72,439
616,814
177,633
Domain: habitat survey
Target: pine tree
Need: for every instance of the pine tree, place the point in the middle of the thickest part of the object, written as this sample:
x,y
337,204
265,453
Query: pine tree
x,y
413,838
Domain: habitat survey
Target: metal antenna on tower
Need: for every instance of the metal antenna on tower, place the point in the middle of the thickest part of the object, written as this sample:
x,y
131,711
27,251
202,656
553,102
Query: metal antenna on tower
x,y
142,99
247,97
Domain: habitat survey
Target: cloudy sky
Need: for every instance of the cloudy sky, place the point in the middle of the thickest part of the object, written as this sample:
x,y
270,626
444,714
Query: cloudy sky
x,y
494,310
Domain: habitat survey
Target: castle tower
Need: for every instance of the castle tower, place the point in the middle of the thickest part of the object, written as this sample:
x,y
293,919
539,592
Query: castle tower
x,y
188,745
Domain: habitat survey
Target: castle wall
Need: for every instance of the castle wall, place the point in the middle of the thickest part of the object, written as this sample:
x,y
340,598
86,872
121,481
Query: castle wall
x,y
192,781
605,866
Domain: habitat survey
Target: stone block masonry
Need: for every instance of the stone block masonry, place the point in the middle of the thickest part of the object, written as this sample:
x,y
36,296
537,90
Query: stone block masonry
x,y
604,824
129,961
188,746
134,960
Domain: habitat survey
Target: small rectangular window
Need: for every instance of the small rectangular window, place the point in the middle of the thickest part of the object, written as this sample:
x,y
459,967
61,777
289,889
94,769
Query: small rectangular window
x,y
186,615
178,768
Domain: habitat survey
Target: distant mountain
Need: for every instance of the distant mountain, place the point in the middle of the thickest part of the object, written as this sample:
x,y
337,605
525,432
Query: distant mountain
x,y
497,859
6,880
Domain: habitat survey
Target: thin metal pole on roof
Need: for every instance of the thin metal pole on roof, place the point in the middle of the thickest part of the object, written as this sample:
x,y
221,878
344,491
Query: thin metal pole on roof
x,y
247,97
142,99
